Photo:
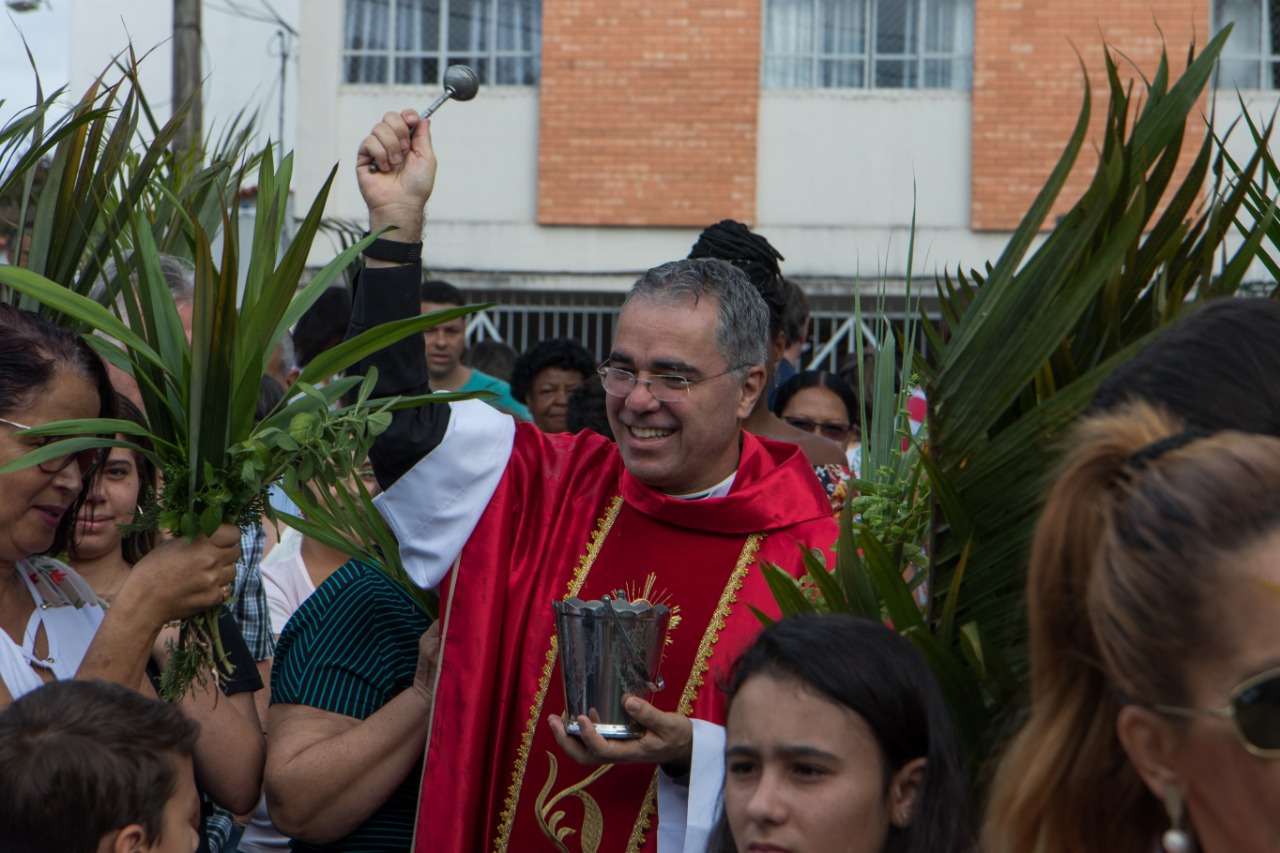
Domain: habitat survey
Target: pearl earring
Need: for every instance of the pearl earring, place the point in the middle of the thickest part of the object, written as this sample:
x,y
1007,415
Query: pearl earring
x,y
1175,838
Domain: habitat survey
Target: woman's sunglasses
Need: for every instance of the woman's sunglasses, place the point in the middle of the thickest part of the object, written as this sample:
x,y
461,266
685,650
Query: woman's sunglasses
x,y
836,432
1254,711
88,460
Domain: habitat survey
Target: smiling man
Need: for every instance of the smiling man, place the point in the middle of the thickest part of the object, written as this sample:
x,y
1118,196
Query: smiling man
x,y
682,510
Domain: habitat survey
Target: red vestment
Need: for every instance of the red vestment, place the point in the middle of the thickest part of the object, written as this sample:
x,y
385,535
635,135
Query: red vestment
x,y
567,519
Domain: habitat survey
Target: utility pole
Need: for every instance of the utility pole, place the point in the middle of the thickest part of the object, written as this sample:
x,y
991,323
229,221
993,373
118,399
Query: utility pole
x,y
186,72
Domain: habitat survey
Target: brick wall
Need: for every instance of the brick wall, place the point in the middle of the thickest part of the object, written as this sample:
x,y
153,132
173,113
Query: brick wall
x,y
1027,88
648,111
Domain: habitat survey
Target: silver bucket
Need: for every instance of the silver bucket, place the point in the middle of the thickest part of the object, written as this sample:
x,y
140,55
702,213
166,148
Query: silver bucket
x,y
609,649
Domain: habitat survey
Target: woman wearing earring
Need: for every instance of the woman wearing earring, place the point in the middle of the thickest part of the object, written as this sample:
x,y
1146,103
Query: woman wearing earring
x,y
837,738
230,751
1154,611
51,627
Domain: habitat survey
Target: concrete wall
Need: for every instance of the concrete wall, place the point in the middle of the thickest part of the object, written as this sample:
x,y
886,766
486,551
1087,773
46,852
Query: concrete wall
x,y
841,173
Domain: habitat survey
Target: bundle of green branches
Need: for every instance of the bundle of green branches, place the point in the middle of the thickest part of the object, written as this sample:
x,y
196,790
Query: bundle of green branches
x,y
105,201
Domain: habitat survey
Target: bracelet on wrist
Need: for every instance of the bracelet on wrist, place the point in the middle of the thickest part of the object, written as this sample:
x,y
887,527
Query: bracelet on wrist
x,y
393,251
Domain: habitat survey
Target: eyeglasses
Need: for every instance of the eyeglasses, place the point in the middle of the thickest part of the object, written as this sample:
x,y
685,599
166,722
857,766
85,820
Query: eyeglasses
x,y
88,460
835,432
665,389
1254,711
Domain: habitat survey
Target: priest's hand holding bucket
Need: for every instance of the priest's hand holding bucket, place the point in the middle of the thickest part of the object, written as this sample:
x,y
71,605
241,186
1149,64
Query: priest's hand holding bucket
x,y
667,738
610,652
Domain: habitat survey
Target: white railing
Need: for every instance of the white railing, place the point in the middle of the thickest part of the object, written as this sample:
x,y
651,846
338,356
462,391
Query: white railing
x,y
832,334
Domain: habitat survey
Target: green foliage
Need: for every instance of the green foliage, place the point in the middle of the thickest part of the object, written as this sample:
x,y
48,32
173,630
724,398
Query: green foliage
x,y
1026,343
107,201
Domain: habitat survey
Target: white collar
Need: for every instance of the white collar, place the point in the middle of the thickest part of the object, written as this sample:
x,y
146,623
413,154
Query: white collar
x,y
719,490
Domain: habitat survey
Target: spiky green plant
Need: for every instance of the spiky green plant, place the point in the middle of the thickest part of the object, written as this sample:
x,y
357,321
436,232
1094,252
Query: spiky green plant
x,y
105,202
1030,338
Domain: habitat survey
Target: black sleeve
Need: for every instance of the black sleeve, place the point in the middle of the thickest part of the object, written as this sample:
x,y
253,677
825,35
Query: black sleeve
x,y
382,295
244,677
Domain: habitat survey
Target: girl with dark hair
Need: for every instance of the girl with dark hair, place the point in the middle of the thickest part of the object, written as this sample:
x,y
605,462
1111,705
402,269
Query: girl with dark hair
x,y
1154,616
838,738
230,751
51,626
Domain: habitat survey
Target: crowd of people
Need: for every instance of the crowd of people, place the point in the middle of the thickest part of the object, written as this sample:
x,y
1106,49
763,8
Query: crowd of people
x,y
666,472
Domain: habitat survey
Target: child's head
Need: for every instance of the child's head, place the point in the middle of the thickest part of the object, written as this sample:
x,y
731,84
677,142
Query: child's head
x,y
88,762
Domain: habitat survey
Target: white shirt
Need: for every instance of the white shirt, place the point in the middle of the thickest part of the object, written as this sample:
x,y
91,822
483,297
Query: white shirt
x,y
70,614
285,579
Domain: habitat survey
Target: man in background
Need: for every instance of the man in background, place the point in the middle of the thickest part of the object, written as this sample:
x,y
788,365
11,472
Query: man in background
x,y
446,344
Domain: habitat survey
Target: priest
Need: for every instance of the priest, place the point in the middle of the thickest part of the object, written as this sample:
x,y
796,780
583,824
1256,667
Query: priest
x,y
504,519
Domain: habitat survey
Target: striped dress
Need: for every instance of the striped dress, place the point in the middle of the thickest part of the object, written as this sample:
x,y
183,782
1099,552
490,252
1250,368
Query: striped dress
x,y
350,649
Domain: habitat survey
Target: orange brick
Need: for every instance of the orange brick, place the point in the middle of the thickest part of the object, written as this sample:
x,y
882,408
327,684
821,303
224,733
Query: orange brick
x,y
648,111
1028,88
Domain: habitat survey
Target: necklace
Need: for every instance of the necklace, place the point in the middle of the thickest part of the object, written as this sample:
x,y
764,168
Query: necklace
x,y
108,595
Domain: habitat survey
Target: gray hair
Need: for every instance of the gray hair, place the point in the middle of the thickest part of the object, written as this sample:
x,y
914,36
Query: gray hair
x,y
742,330
179,274
288,355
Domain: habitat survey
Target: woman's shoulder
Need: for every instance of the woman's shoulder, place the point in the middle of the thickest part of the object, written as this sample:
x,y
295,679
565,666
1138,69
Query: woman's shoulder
x,y
356,592
56,583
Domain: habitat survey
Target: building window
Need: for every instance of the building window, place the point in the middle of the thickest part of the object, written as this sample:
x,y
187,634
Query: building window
x,y
413,41
868,44
1251,58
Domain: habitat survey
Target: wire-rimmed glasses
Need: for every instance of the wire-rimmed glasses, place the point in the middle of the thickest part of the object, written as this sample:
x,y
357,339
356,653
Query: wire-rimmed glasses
x,y
88,459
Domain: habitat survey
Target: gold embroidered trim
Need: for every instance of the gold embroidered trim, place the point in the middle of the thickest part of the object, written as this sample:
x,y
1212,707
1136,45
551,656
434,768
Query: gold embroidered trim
x,y
646,816
505,820
697,675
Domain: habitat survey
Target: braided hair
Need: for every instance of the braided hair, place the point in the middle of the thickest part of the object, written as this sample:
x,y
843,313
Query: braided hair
x,y
729,240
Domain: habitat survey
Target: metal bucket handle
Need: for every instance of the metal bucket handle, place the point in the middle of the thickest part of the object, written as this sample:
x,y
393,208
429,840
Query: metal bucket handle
x,y
637,660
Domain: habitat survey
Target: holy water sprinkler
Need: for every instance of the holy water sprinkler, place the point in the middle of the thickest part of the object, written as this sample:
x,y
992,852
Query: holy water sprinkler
x,y
460,84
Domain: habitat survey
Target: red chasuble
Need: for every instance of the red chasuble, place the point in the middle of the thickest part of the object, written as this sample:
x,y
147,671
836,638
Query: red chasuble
x,y
567,519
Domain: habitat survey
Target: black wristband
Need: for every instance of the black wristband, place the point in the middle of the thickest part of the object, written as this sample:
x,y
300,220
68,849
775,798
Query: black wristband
x,y
393,251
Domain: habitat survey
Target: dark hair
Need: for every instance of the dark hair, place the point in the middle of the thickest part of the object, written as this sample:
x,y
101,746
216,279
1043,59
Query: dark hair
x,y
818,379
492,357
587,409
564,353
797,313
137,543
729,240
32,351
1219,368
105,749
270,393
878,675
441,293
323,325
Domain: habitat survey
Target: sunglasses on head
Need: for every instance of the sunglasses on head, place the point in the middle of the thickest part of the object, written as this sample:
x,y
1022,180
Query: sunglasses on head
x,y
1254,712
87,460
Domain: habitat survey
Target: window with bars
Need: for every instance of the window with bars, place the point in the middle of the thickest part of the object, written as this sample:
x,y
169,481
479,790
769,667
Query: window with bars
x,y
868,44
413,41
1251,57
